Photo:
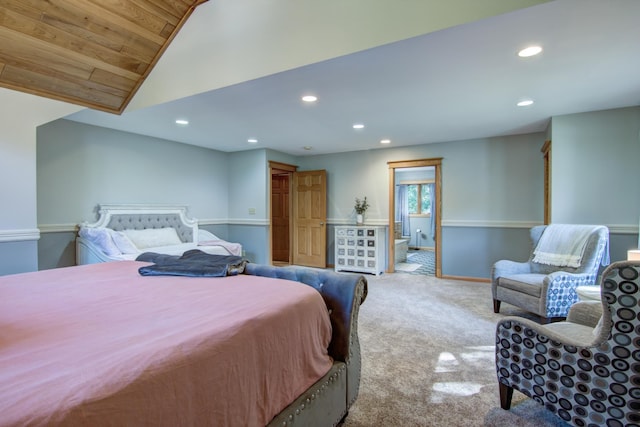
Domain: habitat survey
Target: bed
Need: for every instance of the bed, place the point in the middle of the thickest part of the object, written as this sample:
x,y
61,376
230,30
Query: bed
x,y
124,231
102,345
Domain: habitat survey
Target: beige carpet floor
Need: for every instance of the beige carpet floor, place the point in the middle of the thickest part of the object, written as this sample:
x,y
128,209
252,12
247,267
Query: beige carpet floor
x,y
428,355
404,266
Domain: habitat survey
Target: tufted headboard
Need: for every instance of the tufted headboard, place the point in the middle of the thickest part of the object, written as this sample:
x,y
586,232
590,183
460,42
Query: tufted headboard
x,y
140,217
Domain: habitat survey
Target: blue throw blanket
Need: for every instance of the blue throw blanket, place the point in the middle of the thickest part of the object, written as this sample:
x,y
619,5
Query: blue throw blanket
x,y
193,263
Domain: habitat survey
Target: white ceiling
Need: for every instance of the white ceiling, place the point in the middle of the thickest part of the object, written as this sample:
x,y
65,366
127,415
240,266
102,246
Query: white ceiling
x,y
454,84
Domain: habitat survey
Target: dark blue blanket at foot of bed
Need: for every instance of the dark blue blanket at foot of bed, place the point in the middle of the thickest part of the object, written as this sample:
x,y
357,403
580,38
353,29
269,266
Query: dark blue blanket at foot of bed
x,y
193,263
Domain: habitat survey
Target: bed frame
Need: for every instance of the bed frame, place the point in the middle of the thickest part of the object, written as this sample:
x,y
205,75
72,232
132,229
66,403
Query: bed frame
x,y
327,402
138,217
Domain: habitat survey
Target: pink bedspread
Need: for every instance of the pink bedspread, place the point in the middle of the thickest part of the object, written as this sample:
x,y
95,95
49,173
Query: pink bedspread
x,y
100,345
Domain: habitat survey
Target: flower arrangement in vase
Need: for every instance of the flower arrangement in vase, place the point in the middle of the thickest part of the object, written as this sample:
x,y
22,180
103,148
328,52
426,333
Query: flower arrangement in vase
x,y
360,207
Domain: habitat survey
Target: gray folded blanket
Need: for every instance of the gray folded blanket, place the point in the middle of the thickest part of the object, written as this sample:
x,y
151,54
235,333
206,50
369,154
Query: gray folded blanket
x,y
193,263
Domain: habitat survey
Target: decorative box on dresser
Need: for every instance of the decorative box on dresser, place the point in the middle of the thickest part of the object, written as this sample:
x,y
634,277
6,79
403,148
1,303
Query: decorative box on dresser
x,y
360,248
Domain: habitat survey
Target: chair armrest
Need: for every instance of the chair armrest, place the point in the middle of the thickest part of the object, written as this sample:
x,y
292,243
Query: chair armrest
x,y
559,290
506,267
562,280
586,313
507,326
577,279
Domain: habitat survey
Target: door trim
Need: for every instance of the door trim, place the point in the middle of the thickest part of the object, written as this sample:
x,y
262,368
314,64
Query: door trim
x,y
437,163
276,168
546,154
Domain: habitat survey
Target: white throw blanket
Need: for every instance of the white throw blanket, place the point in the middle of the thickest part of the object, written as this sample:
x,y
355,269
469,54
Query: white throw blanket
x,y
563,244
233,248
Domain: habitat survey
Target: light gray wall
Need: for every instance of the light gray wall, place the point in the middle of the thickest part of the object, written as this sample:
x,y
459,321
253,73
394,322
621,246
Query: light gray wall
x,y
254,239
471,251
248,186
492,187
492,179
489,186
595,173
20,113
18,256
248,189
80,166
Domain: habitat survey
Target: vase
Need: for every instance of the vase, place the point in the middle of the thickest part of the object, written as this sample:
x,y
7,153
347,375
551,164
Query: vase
x,y
359,219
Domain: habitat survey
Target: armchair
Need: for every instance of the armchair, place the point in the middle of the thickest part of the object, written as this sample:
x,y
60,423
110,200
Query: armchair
x,y
549,289
585,371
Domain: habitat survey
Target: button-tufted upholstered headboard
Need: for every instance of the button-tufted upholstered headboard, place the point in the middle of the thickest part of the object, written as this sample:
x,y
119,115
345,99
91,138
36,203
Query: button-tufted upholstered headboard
x,y
140,217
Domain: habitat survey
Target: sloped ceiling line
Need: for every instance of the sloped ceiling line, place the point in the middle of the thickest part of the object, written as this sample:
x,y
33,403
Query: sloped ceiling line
x,y
95,54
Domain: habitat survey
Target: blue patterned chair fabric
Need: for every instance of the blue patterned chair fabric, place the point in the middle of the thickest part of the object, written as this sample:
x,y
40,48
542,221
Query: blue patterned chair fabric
x,y
586,373
547,290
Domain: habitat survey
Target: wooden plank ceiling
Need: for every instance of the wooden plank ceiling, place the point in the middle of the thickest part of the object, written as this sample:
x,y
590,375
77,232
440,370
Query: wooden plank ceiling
x,y
94,53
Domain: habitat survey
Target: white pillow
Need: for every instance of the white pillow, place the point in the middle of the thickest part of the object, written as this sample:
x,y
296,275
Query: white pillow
x,y
204,235
123,243
152,237
101,237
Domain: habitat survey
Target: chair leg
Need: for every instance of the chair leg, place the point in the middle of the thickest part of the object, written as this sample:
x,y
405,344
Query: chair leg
x,y
496,306
506,393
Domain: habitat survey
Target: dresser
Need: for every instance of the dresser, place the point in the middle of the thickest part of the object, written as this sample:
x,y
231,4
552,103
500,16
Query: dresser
x,y
360,248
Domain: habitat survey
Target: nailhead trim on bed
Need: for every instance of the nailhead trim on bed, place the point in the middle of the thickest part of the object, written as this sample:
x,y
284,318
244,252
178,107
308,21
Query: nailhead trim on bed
x,y
319,391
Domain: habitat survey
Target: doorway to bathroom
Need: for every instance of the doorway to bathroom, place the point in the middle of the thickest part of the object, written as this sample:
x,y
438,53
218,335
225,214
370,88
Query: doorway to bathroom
x,y
414,217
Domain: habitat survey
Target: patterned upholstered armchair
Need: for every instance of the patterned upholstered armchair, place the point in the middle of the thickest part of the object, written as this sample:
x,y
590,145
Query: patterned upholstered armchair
x,y
587,372
549,289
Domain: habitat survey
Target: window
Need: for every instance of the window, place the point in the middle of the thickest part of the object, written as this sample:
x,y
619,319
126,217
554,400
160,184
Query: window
x,y
419,199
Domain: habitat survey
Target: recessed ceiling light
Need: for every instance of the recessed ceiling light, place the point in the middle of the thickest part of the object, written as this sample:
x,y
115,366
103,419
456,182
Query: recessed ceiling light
x,y
252,141
529,51
358,126
309,98
525,103
307,147
385,141
182,122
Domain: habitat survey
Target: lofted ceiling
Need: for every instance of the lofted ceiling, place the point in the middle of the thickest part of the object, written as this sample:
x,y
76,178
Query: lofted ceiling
x,y
457,83
91,53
